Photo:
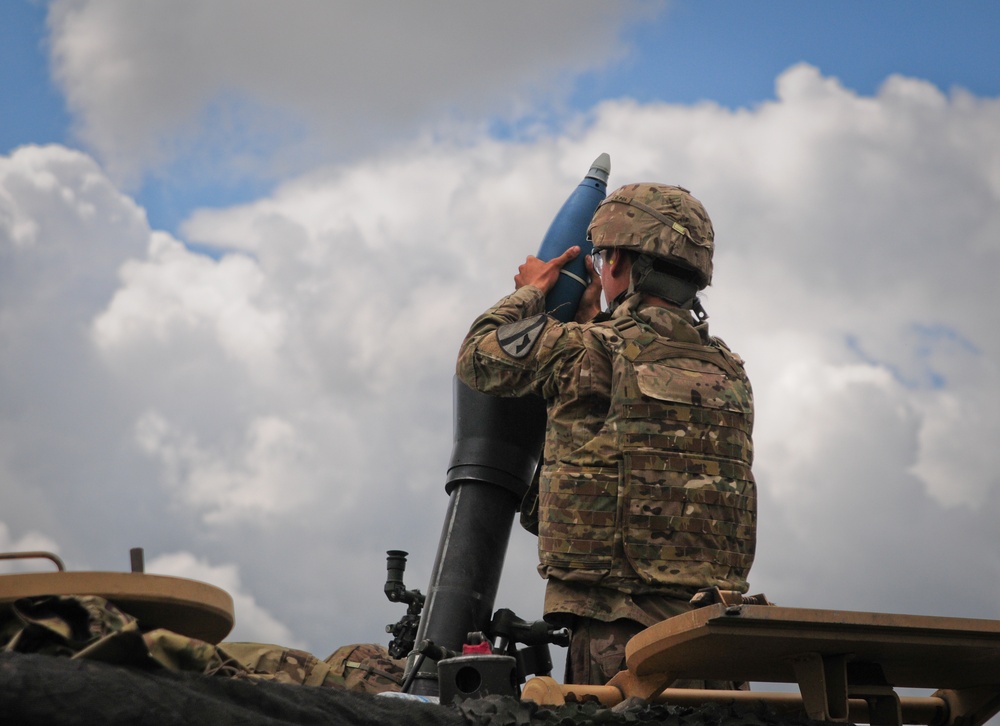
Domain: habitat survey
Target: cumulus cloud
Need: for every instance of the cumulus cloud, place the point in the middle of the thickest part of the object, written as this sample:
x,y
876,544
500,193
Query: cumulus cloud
x,y
174,292
286,408
234,80
230,483
60,415
253,623
29,542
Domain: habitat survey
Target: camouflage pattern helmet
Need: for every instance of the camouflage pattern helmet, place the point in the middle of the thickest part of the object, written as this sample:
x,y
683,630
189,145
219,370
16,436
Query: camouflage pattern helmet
x,y
664,222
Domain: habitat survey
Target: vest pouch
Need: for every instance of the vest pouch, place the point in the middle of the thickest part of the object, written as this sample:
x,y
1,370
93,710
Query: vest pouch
x,y
577,519
702,385
675,534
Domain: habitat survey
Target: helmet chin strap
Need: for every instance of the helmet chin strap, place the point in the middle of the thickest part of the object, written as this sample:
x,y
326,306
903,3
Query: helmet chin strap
x,y
699,312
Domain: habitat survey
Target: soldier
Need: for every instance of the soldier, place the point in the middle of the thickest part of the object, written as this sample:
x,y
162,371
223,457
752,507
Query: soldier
x,y
645,493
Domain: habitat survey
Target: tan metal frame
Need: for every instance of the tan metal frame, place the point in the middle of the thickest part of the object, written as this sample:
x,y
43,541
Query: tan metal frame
x,y
847,664
188,607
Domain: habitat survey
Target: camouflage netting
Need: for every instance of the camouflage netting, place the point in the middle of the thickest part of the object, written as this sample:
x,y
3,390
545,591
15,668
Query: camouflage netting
x,y
497,711
52,691
43,690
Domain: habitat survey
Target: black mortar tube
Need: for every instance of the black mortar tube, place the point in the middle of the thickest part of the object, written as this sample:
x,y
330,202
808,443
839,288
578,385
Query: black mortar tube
x,y
498,444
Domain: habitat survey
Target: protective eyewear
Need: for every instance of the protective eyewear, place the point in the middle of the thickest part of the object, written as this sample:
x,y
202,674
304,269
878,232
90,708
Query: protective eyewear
x,y
600,260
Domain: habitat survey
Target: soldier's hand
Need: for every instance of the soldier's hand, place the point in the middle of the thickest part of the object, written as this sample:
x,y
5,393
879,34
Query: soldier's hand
x,y
543,275
590,301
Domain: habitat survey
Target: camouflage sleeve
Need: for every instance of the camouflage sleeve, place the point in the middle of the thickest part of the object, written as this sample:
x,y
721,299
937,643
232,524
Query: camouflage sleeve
x,y
511,348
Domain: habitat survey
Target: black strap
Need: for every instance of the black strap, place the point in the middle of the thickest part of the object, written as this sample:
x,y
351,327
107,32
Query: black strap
x,y
649,280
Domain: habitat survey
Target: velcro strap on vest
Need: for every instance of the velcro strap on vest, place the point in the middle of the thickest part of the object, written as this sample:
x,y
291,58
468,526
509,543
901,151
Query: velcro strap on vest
x,y
695,495
645,345
665,525
689,414
705,554
691,444
592,511
574,546
692,466
659,349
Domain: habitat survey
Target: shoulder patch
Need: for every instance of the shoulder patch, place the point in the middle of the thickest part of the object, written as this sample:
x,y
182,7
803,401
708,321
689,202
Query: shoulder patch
x,y
518,338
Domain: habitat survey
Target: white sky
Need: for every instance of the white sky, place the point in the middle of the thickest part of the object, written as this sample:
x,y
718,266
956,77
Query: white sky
x,y
273,419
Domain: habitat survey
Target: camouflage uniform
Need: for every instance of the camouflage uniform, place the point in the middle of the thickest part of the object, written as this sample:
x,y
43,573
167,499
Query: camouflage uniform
x,y
91,627
645,493
364,667
367,667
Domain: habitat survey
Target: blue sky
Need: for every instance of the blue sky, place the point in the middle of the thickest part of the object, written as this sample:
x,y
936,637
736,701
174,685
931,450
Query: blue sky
x,y
368,182
34,111
726,52
730,52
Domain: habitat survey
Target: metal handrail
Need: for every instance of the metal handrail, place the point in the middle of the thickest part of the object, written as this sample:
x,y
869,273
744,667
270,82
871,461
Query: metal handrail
x,y
35,555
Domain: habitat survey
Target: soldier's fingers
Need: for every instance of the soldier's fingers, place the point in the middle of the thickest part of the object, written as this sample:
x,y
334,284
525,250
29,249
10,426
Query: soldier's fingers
x,y
566,256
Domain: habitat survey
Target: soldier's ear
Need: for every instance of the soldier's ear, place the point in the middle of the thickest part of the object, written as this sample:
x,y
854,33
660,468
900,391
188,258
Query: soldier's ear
x,y
621,263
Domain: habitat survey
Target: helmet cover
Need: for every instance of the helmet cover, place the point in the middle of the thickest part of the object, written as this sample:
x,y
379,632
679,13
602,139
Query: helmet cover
x,y
661,221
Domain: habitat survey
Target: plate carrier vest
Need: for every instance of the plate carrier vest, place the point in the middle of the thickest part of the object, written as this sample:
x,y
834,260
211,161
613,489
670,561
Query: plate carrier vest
x,y
674,506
